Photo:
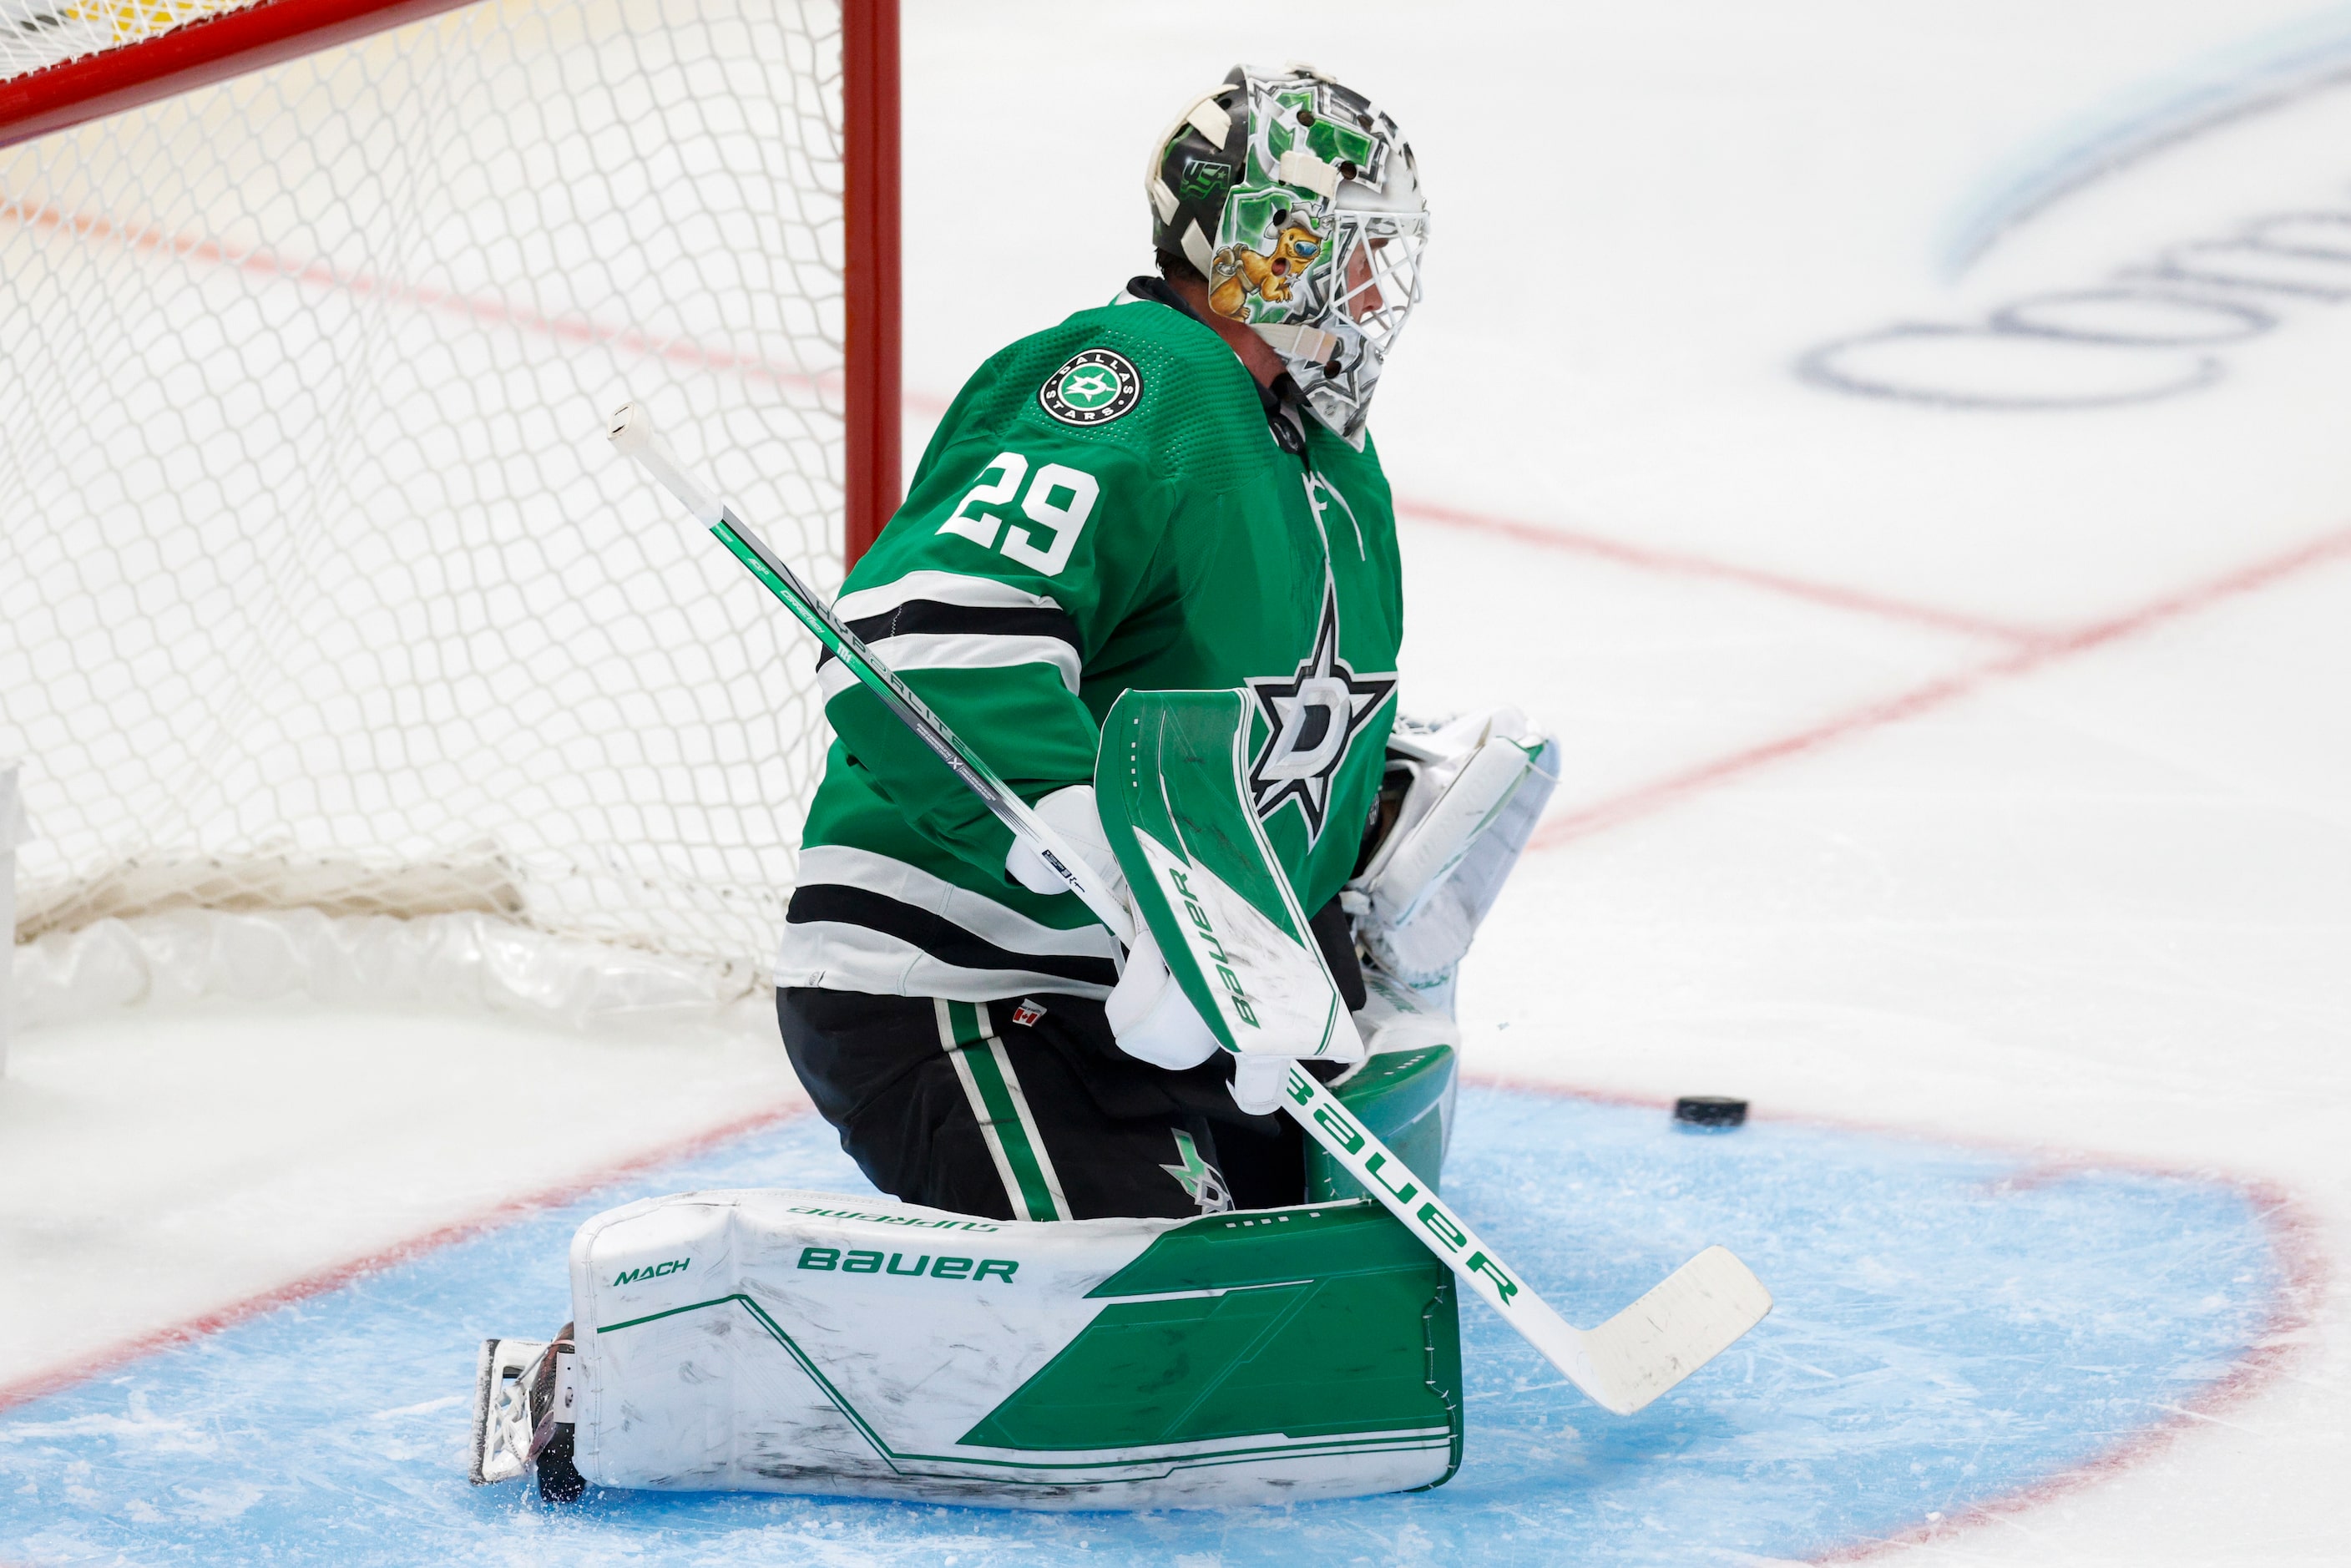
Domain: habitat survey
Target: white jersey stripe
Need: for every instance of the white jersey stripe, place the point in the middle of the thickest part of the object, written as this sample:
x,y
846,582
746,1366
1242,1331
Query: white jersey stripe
x,y
839,956
982,916
956,650
845,957
940,587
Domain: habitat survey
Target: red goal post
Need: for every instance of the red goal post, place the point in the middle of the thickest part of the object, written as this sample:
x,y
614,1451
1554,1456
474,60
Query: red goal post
x,y
331,595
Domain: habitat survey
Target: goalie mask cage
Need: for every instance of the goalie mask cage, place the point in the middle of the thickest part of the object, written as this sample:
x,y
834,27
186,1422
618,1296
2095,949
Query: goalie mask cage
x,y
319,583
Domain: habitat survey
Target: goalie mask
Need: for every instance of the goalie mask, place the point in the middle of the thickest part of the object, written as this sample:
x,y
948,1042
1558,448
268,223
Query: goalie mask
x,y
1297,199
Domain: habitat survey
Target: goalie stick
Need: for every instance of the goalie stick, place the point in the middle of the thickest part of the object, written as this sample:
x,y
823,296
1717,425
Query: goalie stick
x,y
1675,1328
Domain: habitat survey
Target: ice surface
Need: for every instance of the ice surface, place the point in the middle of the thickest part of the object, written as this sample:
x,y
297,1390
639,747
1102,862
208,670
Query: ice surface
x,y
212,1105
2098,904
2104,904
1953,1325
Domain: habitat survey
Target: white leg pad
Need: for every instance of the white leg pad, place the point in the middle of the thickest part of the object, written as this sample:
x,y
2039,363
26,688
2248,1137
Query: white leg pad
x,y
808,1342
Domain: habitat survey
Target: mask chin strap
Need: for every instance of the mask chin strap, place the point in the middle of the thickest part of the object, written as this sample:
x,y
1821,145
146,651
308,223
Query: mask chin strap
x,y
1297,344
1308,350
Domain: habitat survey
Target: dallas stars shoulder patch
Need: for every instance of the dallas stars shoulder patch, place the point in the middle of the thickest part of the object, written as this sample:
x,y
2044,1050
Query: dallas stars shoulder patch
x,y
1092,388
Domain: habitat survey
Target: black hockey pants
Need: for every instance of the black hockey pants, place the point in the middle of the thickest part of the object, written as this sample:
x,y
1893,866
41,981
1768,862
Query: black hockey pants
x,y
1028,1110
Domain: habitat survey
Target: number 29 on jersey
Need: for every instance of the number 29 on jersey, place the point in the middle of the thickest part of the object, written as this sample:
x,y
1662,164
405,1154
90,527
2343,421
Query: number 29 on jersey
x,y
1058,500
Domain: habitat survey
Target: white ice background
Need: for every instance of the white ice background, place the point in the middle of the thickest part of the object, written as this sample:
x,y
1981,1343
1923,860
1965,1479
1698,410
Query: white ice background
x,y
1979,773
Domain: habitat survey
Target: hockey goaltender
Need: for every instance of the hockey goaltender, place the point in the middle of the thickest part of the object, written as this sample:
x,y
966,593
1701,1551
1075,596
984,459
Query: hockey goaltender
x,y
1148,568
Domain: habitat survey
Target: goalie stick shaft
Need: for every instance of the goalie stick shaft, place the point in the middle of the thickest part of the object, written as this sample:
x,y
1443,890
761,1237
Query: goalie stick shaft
x,y
1622,1364
633,433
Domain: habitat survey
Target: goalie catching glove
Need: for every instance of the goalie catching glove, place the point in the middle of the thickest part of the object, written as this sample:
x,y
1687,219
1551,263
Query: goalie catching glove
x,y
1471,792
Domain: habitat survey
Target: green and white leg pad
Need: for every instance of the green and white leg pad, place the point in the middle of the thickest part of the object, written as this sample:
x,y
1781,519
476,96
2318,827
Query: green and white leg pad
x,y
801,1342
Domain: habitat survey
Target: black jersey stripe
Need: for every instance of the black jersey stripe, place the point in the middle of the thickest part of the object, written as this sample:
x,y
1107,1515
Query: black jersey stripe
x,y
919,616
935,933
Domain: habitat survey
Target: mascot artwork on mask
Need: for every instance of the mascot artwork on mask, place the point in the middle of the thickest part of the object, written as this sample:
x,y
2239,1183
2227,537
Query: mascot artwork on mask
x,y
1239,272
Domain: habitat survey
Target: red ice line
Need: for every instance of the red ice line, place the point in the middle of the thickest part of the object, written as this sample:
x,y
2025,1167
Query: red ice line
x,y
468,306
267,262
1678,563
2032,650
2294,1232
2282,1338
2038,654
84,1368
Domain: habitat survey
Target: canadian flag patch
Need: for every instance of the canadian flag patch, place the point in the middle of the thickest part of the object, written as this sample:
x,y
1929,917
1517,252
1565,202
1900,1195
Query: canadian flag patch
x,y
1027,1014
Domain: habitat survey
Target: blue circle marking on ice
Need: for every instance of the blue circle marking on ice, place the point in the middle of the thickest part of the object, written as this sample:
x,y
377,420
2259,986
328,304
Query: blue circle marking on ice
x,y
1953,1325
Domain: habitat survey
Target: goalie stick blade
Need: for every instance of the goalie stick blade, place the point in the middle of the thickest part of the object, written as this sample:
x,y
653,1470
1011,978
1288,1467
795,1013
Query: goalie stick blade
x,y
1621,1366
1693,1315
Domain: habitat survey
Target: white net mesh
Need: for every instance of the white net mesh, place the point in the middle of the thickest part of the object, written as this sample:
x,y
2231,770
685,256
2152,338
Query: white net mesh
x,y
36,33
320,583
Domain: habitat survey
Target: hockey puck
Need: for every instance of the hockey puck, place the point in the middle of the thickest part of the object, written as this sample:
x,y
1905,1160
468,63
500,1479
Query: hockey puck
x,y
1711,1111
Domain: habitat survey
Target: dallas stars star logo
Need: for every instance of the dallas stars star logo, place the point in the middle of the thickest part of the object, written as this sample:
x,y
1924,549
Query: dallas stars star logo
x,y
1312,716
1203,1181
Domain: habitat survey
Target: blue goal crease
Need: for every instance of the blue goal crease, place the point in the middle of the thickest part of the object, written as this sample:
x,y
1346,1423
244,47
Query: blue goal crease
x,y
1947,1333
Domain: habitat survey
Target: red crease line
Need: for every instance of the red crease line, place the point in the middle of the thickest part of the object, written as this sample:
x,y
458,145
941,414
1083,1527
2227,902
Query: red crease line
x,y
2283,1340
90,1364
2284,1337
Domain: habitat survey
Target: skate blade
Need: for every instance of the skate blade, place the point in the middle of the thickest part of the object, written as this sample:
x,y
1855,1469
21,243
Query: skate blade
x,y
502,1429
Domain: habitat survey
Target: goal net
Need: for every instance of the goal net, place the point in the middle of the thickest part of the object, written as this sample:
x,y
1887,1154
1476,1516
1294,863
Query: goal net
x,y
319,583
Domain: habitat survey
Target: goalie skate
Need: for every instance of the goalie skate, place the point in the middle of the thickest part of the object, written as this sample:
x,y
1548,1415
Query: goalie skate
x,y
522,1390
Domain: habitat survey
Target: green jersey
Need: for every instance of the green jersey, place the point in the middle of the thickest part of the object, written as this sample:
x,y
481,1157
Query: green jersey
x,y
1108,505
